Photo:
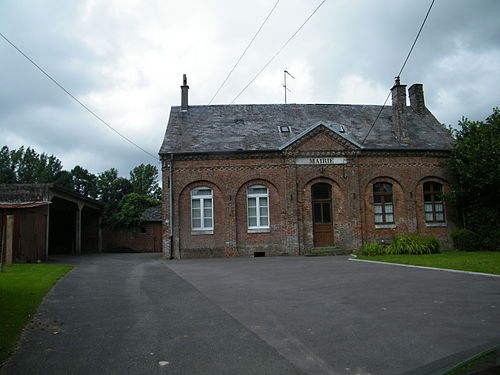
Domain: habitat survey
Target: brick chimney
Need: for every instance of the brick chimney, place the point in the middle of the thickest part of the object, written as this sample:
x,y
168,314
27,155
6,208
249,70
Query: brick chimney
x,y
399,110
184,94
416,92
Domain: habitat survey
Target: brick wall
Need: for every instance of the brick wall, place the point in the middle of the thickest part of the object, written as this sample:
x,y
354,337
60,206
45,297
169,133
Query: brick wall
x,y
291,226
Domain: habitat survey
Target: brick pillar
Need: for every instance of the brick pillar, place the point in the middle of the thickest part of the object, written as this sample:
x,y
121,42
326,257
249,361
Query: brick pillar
x,y
230,247
291,225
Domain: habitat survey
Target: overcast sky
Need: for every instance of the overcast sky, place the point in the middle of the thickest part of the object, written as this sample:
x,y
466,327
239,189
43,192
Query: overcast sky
x,y
125,58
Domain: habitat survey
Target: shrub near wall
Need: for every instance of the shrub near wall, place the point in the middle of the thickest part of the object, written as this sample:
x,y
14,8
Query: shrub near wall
x,y
407,244
465,240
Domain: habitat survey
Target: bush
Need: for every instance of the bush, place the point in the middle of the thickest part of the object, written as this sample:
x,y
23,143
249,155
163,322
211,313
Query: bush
x,y
465,240
373,248
413,244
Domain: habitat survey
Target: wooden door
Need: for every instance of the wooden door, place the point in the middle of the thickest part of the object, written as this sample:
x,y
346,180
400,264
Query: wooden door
x,y
322,215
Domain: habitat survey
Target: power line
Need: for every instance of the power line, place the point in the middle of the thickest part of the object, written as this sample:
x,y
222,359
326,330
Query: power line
x,y
243,54
76,99
401,70
278,52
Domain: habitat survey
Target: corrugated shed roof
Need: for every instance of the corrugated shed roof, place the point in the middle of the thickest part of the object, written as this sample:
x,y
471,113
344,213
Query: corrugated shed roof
x,y
153,214
220,128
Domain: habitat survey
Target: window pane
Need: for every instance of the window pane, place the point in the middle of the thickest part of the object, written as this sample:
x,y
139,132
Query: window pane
x,y
439,207
439,217
388,198
326,213
378,218
208,222
202,191
263,202
321,191
378,208
207,203
252,211
252,202
257,190
387,187
428,217
196,212
207,212
428,207
263,211
252,221
317,212
264,222
388,208
389,218
377,188
195,203
427,197
196,222
377,199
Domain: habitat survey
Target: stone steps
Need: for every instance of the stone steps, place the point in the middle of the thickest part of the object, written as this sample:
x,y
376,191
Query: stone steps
x,y
326,251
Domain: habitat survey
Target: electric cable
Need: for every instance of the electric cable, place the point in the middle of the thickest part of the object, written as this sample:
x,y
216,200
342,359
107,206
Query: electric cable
x,y
244,52
76,99
401,70
278,52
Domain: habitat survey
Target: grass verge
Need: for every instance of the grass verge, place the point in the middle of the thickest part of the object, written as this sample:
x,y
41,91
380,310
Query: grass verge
x,y
481,261
22,287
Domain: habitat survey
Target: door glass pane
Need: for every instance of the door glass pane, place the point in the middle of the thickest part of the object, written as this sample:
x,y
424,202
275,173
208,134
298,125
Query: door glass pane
x,y
317,212
326,213
321,191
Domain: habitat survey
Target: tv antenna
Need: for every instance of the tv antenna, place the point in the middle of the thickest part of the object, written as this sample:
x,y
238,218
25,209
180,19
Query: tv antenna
x,y
285,73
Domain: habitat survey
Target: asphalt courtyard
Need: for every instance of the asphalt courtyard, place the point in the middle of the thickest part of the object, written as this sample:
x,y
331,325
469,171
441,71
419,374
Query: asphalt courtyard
x,y
138,314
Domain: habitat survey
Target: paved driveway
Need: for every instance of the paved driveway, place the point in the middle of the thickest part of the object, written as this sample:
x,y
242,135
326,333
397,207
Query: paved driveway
x,y
137,314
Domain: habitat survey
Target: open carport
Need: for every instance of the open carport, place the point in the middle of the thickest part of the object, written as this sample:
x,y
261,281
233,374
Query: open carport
x,y
38,220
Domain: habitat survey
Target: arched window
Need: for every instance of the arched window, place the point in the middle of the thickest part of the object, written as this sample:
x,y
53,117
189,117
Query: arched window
x,y
382,203
258,207
202,209
433,202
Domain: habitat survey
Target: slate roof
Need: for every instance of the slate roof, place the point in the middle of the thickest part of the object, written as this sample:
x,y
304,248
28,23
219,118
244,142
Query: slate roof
x,y
152,214
222,128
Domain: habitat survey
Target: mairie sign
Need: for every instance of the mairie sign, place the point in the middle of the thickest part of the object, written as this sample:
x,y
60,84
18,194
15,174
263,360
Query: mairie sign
x,y
318,161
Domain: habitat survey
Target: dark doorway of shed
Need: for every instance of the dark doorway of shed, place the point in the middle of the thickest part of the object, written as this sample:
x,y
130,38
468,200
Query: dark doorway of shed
x,y
62,226
322,214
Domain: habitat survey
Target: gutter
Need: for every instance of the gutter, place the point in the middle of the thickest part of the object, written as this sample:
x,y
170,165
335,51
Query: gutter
x,y
170,202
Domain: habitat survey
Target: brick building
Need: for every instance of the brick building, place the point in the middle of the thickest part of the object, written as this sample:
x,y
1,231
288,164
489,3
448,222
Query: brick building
x,y
283,179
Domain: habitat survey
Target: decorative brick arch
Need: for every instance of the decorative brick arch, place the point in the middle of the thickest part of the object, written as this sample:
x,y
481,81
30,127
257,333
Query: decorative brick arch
x,y
270,241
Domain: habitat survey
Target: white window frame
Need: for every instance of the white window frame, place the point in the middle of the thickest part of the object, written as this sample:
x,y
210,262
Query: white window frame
x,y
202,229
258,205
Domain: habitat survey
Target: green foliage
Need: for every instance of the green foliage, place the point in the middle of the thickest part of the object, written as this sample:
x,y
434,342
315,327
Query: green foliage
x,y
130,209
413,244
84,182
406,244
144,180
373,248
22,287
465,240
27,166
475,164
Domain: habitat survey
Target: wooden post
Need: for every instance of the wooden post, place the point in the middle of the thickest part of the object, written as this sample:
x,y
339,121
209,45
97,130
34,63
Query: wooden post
x,y
9,239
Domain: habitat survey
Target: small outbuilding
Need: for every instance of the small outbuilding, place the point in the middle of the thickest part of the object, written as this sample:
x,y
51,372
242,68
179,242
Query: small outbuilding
x,y
37,220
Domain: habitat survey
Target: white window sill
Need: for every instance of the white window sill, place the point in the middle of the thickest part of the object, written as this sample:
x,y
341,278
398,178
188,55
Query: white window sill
x,y
436,225
259,230
385,226
200,232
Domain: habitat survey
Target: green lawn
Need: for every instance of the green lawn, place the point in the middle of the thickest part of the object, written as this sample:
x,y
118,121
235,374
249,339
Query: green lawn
x,y
22,287
481,261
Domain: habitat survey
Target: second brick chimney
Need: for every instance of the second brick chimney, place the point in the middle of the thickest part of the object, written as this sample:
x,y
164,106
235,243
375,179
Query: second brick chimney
x,y
416,92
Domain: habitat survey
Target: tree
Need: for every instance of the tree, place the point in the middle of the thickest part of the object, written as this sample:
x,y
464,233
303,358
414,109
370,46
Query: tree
x,y
130,209
111,189
27,166
84,182
144,180
476,165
